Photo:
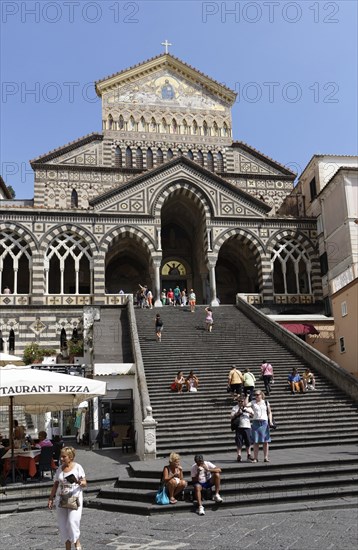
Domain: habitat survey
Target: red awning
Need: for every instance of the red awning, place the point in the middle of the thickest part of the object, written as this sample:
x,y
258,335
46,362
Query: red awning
x,y
300,328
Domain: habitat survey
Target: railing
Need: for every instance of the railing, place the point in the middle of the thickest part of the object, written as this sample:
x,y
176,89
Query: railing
x,y
14,299
145,424
293,299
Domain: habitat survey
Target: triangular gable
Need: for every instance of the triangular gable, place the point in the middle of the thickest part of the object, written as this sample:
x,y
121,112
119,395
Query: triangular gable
x,y
140,196
248,160
81,151
169,62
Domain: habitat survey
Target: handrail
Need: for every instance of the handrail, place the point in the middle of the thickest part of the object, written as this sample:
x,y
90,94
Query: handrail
x,y
137,355
328,368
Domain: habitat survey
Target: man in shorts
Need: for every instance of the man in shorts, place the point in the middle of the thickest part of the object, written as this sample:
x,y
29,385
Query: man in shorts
x,y
295,382
204,475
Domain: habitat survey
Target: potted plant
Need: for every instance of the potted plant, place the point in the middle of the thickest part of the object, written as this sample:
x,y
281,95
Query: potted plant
x,y
34,353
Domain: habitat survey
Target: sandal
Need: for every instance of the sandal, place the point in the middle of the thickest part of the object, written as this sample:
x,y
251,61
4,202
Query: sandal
x,y
239,458
266,460
173,501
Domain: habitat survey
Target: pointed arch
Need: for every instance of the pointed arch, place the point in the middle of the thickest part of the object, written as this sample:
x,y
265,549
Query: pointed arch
x,y
174,126
153,125
149,158
74,199
188,189
210,161
139,158
195,127
170,154
190,154
185,127
129,159
225,130
159,156
132,123
215,129
121,123
118,157
15,260
205,128
110,122
163,125
219,162
200,158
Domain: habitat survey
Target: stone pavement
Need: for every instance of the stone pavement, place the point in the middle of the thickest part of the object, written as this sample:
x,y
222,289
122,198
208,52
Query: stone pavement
x,y
222,530
304,529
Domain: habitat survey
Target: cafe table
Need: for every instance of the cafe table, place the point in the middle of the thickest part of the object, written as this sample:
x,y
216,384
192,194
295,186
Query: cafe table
x,y
24,460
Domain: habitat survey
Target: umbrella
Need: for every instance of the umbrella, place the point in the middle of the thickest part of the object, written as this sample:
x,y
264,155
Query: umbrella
x,y
6,358
41,391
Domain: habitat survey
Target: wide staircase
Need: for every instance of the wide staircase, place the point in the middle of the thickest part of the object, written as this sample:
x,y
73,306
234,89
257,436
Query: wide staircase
x,y
314,456
111,337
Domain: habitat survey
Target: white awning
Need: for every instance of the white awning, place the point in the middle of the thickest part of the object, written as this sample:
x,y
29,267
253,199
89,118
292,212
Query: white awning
x,y
113,369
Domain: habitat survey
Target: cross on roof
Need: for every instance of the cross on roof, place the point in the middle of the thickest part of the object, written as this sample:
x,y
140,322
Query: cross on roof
x,y
166,44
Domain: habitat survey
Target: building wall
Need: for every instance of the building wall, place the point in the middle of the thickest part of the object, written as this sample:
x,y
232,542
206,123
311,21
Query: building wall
x,y
346,327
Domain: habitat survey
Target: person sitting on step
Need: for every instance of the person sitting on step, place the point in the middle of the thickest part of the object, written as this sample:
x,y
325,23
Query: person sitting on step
x,y
295,382
204,475
179,381
309,380
192,382
173,477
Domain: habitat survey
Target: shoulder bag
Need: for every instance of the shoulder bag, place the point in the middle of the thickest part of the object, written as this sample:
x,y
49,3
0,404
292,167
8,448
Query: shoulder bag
x,y
69,502
162,496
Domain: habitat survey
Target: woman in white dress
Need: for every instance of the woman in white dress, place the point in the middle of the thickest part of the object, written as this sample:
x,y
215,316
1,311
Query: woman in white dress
x,y
69,480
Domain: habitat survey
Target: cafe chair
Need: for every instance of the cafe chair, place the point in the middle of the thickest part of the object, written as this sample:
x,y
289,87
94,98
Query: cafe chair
x,y
56,452
45,462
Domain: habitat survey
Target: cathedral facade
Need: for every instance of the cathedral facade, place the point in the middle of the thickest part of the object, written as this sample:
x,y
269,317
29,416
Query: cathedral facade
x,y
163,196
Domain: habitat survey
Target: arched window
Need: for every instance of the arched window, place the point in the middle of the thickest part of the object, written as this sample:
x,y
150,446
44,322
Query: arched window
x,y
74,199
110,122
164,125
15,263
210,161
219,162
225,129
132,124
180,153
174,126
68,265
159,156
200,158
139,158
142,124
153,125
121,123
118,158
205,128
11,341
195,127
291,268
129,162
190,155
215,129
169,154
149,158
63,339
185,127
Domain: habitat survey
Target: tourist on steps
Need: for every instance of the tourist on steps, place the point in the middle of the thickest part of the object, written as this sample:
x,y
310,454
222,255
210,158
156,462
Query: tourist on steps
x,y
249,384
209,321
179,382
235,381
158,327
204,475
192,382
240,419
192,300
173,477
267,376
309,380
295,382
260,431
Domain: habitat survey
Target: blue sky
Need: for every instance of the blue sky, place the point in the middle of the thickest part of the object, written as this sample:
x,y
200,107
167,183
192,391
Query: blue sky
x,y
293,64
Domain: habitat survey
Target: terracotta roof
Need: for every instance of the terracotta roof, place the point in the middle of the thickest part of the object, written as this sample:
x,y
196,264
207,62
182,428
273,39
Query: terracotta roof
x,y
4,188
169,57
94,136
263,157
182,160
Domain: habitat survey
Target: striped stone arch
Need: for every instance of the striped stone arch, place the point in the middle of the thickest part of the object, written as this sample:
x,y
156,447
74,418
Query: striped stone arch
x,y
187,189
248,238
132,233
75,229
22,232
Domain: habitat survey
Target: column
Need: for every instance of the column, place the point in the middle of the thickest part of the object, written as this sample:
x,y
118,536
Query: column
x,y
157,300
212,278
